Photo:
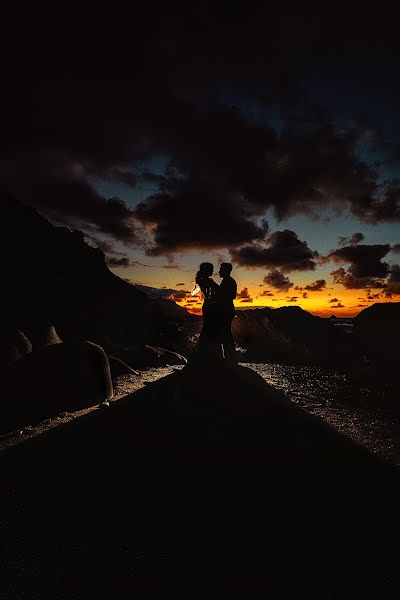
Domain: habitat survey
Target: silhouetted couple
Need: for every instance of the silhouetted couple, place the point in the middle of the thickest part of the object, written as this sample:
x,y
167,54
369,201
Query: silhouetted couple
x,y
216,340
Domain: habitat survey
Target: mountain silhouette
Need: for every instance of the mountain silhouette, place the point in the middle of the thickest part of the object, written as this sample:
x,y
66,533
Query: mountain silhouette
x,y
52,275
289,334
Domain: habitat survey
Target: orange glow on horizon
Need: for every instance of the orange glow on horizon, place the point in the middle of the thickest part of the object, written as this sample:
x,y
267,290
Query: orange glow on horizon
x,y
331,299
337,301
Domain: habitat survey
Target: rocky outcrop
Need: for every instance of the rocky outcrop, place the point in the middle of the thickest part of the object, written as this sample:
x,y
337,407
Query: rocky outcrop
x,y
60,377
13,345
287,334
377,334
42,334
380,317
67,283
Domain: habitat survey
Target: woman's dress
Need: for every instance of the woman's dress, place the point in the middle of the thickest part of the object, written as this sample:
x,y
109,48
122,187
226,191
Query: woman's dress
x,y
209,344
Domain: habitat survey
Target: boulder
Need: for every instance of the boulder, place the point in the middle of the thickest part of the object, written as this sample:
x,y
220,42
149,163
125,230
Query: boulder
x,y
13,345
42,334
58,378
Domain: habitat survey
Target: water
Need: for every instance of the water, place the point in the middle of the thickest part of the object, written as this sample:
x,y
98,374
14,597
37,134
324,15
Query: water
x,y
364,414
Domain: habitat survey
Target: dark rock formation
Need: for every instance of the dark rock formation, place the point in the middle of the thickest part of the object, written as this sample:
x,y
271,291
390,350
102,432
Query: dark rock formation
x,y
379,319
377,335
57,378
67,283
288,334
13,345
41,334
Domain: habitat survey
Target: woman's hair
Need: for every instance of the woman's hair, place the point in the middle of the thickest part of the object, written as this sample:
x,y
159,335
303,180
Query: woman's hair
x,y
205,271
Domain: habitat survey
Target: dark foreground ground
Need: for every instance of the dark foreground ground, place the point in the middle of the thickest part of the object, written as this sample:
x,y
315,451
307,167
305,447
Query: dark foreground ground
x,y
206,484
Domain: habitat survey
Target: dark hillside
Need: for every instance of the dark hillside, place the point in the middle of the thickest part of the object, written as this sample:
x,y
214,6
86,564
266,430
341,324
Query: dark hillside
x,y
290,334
51,275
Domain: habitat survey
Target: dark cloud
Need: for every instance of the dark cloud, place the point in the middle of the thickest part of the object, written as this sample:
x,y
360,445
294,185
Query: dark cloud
x,y
163,293
395,274
380,207
197,214
365,261
106,246
278,280
178,295
371,296
338,305
316,286
308,168
267,293
393,283
114,261
285,250
179,284
200,96
244,295
305,295
62,191
341,276
367,267
353,240
292,298
172,266
334,300
114,257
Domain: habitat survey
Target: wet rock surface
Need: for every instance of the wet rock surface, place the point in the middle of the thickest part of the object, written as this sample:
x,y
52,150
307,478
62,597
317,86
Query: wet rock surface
x,y
368,415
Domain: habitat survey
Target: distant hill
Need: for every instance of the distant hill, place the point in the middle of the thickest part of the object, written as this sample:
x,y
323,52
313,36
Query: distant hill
x,y
289,334
162,295
379,313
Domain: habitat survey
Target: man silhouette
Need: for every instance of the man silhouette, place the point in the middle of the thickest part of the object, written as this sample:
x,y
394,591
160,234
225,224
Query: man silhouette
x,y
226,294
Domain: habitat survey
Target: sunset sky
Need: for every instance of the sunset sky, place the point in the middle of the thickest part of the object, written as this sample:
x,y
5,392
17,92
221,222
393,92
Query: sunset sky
x,y
267,137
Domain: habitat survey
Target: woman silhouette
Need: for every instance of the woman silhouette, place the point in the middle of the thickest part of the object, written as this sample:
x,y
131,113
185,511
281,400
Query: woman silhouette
x,y
209,344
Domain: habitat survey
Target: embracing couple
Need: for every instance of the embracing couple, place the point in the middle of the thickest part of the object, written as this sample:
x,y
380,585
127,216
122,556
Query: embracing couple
x,y
218,312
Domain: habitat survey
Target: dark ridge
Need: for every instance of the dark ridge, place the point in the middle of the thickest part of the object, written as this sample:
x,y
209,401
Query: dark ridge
x,y
290,334
52,276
